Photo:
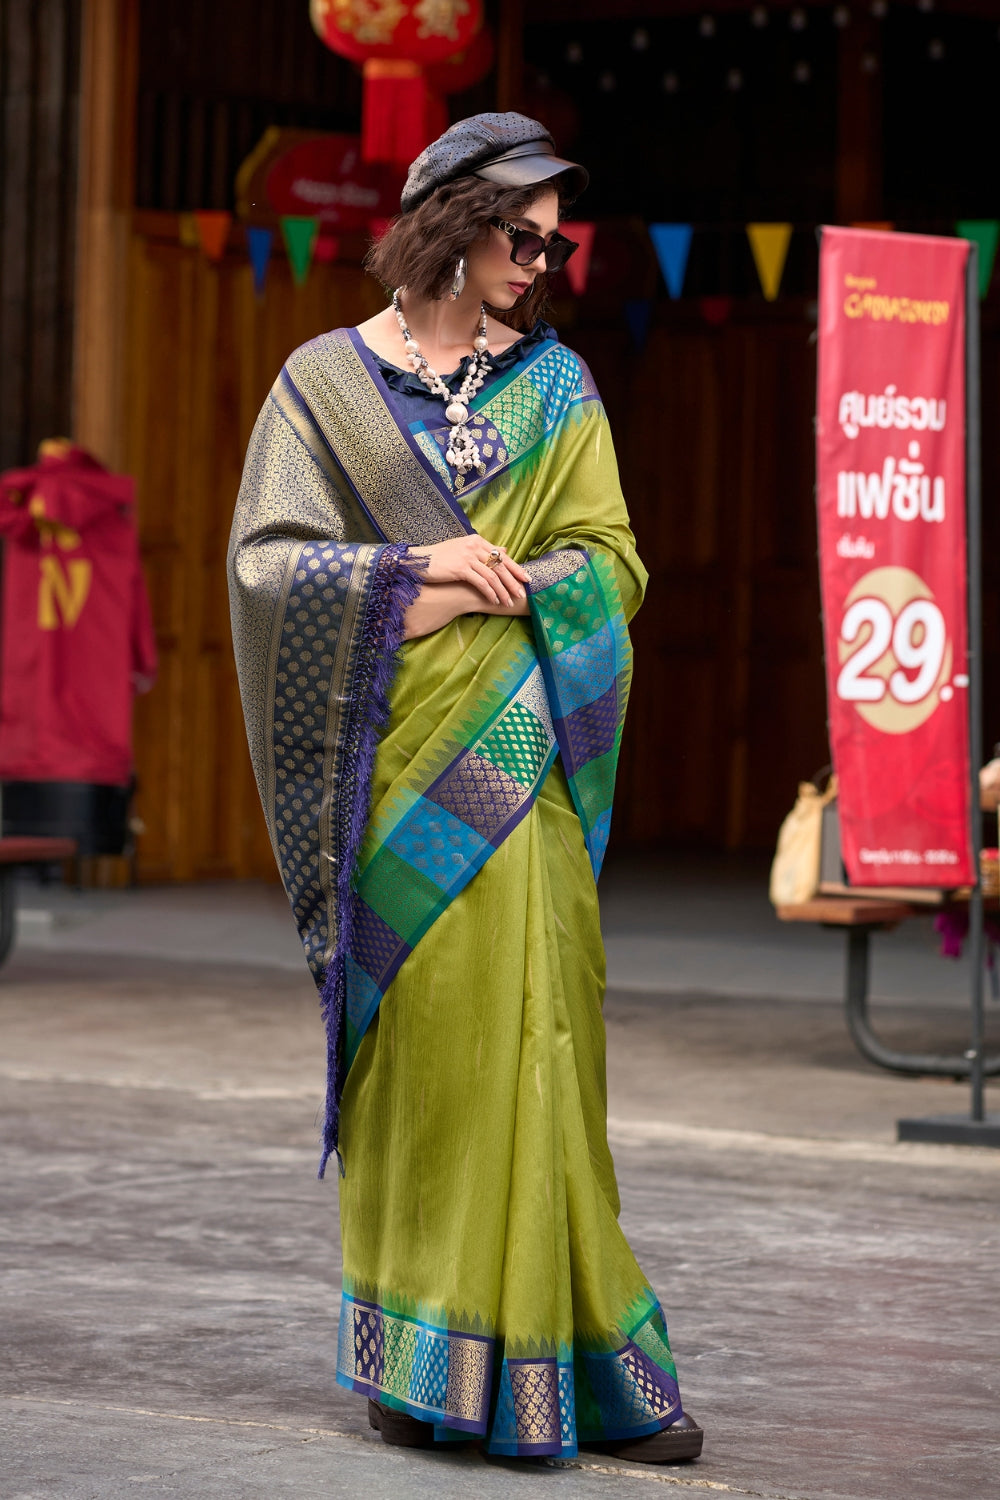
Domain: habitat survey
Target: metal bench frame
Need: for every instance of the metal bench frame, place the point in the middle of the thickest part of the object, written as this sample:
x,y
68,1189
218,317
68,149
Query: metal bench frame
x,y
859,917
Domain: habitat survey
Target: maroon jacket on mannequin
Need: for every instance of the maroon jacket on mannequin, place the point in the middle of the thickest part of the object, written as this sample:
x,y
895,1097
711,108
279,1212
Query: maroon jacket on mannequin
x,y
76,636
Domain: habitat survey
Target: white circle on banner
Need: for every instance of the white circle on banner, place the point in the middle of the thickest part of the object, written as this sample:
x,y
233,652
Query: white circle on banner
x,y
885,605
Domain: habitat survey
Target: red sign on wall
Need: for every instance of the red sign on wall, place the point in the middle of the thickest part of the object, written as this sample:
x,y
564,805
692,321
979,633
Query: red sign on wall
x,y
892,541
316,175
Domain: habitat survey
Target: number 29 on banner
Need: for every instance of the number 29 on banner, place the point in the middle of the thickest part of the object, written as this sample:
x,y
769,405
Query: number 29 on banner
x,y
895,651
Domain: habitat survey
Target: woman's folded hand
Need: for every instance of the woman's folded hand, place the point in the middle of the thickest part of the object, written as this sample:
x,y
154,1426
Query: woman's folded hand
x,y
474,560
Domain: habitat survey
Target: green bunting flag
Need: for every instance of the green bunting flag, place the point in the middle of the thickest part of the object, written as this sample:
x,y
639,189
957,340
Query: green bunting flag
x,y
984,233
299,235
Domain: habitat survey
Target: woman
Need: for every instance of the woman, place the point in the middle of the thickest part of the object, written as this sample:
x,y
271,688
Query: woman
x,y
431,581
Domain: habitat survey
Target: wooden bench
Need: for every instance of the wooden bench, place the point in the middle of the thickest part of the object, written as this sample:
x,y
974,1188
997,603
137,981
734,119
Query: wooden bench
x,y
17,851
859,917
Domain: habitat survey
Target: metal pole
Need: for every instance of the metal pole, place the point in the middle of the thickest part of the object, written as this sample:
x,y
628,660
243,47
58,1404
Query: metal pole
x,y
974,529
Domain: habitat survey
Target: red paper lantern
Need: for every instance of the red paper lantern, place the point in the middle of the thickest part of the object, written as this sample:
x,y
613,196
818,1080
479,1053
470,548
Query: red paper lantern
x,y
464,69
420,31
395,40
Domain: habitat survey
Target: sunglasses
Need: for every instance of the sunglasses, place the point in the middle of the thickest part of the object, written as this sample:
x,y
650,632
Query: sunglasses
x,y
526,247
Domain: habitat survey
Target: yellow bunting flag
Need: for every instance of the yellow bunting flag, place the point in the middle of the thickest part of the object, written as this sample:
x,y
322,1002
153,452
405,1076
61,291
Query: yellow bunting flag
x,y
769,243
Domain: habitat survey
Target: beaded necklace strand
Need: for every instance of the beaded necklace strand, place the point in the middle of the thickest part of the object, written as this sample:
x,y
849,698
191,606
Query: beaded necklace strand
x,y
463,450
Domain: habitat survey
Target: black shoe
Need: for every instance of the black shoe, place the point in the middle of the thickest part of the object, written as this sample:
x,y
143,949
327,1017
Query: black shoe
x,y
399,1428
676,1444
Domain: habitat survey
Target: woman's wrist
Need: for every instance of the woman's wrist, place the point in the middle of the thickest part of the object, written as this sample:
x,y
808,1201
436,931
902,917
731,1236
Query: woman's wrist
x,y
469,601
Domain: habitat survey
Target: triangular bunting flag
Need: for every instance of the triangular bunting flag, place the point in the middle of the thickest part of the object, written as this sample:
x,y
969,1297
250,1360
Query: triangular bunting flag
x,y
637,315
187,231
578,265
769,243
672,242
327,249
715,310
984,233
299,233
213,232
259,242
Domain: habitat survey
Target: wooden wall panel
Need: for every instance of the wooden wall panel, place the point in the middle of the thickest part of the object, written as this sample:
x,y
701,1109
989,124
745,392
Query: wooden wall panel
x,y
714,435
39,107
203,352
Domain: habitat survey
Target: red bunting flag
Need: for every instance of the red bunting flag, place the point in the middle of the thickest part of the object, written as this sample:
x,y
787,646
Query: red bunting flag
x,y
213,232
715,310
578,265
327,248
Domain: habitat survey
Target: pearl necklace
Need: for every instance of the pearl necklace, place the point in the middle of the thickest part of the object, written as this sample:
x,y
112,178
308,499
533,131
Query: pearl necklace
x,y
463,450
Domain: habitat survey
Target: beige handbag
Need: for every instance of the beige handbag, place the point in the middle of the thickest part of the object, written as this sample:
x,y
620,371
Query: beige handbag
x,y
795,870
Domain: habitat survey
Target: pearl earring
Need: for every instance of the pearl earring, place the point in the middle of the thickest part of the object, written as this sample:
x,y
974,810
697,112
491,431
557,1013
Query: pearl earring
x,y
458,280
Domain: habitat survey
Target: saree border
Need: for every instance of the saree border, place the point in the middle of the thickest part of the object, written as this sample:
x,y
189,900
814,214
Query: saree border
x,y
381,1351
368,358
541,1404
445,808
360,429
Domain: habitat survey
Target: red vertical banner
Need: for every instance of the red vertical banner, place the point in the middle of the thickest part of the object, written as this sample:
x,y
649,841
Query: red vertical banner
x,y
892,544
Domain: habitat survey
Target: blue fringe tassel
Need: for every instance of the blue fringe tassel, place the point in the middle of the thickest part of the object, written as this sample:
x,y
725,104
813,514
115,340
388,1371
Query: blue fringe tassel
x,y
395,586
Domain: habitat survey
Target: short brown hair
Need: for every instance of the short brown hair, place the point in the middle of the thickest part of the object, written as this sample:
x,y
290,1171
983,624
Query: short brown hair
x,y
420,249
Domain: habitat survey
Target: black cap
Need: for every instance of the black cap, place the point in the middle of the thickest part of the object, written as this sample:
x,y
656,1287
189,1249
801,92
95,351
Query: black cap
x,y
508,149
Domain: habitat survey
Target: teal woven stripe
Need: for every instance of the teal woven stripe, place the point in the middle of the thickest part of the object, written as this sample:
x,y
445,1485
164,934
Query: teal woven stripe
x,y
570,610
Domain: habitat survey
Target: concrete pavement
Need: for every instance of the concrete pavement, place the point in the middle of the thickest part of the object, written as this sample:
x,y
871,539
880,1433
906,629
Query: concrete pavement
x,y
170,1264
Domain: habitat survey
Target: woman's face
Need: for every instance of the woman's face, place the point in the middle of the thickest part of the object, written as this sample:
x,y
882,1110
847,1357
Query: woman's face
x,y
492,276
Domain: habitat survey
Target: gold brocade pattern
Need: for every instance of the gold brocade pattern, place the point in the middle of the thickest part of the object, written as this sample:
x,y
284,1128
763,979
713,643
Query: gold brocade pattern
x,y
535,1389
438,1371
553,568
468,1376
358,424
296,636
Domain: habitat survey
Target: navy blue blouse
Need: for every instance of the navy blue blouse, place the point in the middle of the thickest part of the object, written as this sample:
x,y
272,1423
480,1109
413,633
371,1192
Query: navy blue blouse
x,y
412,395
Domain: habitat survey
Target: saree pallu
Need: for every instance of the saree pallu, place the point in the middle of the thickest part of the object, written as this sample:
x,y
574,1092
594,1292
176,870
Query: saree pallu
x,y
439,811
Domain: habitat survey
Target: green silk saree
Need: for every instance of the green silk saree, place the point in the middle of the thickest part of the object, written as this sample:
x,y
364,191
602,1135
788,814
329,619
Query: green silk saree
x,y
439,810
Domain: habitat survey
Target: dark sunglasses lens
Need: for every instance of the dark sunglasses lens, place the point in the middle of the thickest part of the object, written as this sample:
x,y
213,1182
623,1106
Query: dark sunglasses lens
x,y
527,247
557,254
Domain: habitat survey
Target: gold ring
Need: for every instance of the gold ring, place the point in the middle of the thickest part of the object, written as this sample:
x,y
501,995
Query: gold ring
x,y
493,561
